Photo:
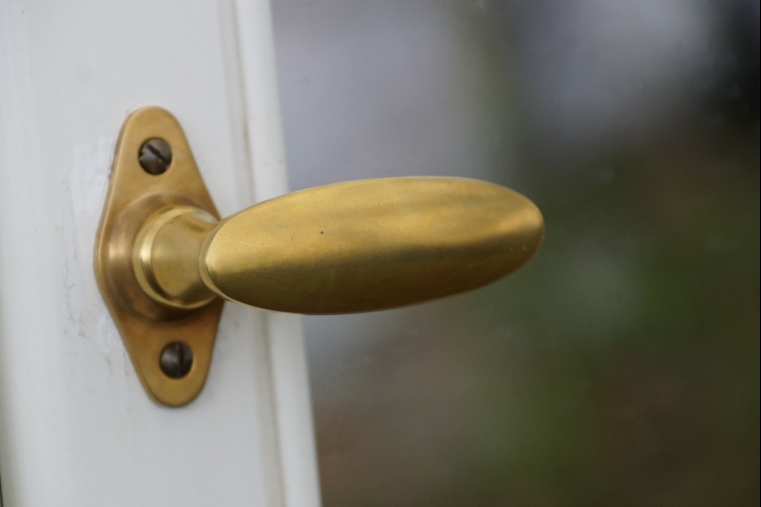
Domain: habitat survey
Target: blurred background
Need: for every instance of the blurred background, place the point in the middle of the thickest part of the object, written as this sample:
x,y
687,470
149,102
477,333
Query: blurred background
x,y
621,366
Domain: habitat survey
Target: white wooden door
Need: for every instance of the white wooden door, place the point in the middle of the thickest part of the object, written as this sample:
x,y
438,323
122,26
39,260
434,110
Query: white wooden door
x,y
76,427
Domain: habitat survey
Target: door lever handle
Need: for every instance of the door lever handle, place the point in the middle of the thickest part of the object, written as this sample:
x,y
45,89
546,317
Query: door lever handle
x,y
163,255
349,247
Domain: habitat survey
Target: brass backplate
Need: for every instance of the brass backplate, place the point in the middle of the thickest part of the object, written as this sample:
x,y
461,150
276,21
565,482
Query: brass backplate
x,y
147,327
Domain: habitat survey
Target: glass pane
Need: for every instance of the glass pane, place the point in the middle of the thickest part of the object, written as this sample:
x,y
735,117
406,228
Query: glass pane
x,y
621,366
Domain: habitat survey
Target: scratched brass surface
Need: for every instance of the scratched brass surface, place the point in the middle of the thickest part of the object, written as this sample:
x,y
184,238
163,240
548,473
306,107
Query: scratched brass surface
x,y
371,244
147,326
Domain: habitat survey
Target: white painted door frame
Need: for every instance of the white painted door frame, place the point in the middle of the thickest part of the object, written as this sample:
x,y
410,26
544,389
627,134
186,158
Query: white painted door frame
x,y
76,428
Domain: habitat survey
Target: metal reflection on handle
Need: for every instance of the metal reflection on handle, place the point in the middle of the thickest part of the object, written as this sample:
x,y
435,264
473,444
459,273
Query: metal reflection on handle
x,y
370,245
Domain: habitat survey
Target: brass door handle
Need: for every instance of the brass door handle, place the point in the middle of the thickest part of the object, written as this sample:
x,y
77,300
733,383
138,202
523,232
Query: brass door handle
x,y
349,247
163,256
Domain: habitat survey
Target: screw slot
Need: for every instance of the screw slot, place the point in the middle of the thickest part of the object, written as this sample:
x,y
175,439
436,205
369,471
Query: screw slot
x,y
176,360
155,156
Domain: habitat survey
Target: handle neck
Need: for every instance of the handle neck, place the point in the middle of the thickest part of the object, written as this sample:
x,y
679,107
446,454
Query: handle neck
x,y
165,256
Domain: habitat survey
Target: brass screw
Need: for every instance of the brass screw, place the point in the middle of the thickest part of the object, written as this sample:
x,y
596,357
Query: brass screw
x,y
155,156
176,360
